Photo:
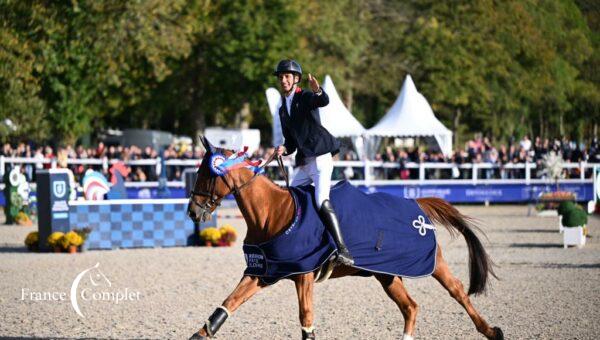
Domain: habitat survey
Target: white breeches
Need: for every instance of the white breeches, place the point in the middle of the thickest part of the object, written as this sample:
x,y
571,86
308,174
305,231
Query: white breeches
x,y
317,170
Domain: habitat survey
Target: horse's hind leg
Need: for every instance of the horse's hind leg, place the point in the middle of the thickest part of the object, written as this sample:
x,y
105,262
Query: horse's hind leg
x,y
455,288
395,289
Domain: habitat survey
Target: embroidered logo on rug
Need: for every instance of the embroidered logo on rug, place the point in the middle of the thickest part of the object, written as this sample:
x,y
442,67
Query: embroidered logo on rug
x,y
420,224
256,263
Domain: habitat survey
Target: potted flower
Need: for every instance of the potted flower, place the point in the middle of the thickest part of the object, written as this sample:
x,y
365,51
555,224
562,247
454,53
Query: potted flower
x,y
70,241
228,235
574,222
53,241
23,219
32,241
550,201
210,236
83,232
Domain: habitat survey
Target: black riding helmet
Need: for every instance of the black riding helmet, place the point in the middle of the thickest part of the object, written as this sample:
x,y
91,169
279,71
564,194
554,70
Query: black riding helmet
x,y
288,66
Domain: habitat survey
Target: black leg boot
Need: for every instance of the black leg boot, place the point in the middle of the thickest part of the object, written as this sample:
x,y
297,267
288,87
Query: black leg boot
x,y
333,226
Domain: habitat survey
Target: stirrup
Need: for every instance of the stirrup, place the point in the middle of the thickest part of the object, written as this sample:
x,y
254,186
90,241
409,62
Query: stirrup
x,y
344,258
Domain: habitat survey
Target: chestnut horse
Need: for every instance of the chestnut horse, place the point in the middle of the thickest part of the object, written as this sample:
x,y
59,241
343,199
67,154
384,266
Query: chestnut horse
x,y
268,210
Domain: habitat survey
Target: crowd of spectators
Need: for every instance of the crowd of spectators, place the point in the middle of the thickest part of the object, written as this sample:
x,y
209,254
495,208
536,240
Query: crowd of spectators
x,y
138,173
479,150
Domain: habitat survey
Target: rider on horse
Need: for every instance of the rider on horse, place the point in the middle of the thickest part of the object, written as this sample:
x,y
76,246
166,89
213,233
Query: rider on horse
x,y
314,145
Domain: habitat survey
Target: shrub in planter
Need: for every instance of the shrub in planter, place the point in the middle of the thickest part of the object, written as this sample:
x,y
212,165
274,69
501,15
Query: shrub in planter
x,y
564,207
575,218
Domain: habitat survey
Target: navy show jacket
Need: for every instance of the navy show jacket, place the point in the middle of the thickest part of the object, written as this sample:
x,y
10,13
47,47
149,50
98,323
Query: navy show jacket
x,y
302,129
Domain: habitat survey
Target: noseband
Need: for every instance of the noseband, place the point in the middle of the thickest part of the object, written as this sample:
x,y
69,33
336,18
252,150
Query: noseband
x,y
212,202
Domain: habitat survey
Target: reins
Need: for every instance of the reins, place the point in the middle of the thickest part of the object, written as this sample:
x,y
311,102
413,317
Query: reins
x,y
285,174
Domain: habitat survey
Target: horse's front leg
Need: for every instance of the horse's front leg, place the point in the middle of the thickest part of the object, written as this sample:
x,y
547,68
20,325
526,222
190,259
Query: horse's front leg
x,y
247,287
304,288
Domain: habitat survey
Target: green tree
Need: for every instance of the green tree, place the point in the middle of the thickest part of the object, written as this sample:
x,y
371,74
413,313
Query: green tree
x,y
224,78
498,67
19,89
93,60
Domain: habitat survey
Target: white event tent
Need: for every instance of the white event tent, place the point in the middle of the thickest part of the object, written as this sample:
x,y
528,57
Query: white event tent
x,y
335,117
412,116
274,101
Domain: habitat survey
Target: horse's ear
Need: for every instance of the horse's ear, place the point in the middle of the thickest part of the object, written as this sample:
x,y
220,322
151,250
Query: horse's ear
x,y
207,145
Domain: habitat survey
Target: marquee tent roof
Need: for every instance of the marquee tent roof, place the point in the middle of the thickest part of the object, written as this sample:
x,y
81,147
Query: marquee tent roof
x,y
335,117
412,116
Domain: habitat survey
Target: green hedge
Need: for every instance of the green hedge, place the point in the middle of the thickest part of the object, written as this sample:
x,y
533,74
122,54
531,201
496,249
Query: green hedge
x,y
564,207
575,217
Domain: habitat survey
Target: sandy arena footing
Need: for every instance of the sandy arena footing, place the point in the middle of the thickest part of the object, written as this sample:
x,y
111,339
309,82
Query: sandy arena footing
x,y
545,291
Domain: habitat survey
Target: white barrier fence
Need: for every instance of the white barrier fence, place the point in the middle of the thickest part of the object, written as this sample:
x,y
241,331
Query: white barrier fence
x,y
365,172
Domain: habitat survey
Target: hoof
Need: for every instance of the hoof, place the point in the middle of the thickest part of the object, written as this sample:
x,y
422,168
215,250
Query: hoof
x,y
197,336
498,334
308,335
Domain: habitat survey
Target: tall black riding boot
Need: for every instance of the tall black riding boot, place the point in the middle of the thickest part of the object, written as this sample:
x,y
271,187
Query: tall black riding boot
x,y
333,226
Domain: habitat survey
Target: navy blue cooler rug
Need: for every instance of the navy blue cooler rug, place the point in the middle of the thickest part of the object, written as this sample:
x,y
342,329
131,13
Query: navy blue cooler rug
x,y
385,234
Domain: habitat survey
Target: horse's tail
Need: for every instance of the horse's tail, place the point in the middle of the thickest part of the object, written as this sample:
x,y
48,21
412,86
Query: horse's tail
x,y
480,264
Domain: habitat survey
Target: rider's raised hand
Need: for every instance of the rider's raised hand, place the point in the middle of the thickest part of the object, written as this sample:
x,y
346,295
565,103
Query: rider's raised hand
x,y
314,83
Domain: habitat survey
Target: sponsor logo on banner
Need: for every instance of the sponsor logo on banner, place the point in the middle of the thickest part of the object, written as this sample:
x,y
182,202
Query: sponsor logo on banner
x,y
60,206
59,188
62,215
483,192
412,192
436,192
415,192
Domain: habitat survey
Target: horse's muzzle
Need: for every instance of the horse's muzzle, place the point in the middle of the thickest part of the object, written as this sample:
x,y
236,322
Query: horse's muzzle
x,y
199,214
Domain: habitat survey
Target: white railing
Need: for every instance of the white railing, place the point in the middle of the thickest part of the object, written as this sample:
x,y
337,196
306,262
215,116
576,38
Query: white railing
x,y
369,171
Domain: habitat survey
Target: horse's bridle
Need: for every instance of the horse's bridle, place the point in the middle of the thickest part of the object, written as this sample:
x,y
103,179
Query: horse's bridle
x,y
214,201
